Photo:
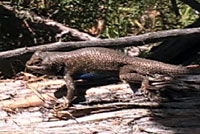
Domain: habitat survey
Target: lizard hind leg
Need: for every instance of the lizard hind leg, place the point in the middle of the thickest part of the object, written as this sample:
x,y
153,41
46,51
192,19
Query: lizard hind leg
x,y
128,74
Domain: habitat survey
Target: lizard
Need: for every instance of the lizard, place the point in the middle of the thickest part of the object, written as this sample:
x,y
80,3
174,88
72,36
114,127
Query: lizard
x,y
98,59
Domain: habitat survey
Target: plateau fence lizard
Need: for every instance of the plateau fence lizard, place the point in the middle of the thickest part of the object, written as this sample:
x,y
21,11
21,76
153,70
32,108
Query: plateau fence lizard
x,y
96,59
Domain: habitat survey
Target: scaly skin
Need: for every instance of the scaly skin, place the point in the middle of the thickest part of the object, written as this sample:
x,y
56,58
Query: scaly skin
x,y
96,59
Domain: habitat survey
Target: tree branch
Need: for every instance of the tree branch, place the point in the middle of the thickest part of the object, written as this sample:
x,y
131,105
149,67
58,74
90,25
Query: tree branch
x,y
56,26
151,37
192,3
175,7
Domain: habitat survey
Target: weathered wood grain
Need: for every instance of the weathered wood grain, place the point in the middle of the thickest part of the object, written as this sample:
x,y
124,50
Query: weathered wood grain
x,y
107,109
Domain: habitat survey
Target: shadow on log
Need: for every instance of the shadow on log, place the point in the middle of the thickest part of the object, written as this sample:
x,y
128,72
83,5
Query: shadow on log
x,y
180,50
11,66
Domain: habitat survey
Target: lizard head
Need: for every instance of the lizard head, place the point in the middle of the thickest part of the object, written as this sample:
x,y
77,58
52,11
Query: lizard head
x,y
41,62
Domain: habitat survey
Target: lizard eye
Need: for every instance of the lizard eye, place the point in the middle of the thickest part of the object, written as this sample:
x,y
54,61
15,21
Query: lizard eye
x,y
37,62
32,63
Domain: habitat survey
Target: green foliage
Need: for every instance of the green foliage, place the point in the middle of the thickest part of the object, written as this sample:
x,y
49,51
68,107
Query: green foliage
x,y
120,17
187,15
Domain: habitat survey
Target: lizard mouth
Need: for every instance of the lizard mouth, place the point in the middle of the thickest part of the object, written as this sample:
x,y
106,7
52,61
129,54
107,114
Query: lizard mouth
x,y
35,68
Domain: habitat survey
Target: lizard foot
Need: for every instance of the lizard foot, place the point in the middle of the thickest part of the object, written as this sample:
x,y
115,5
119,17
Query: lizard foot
x,y
143,90
62,104
144,85
57,105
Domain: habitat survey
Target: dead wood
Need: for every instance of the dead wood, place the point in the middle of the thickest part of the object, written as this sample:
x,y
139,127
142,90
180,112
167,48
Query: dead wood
x,y
51,24
107,109
151,37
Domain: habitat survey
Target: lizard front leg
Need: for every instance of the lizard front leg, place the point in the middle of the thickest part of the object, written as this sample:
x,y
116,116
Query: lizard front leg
x,y
70,87
70,92
129,74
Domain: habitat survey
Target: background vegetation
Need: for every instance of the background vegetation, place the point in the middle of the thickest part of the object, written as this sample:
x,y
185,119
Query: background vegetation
x,y
102,18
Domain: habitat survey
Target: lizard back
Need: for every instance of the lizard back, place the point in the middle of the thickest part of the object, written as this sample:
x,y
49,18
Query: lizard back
x,y
96,58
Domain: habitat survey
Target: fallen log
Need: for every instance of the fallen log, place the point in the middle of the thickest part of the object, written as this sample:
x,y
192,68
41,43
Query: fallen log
x,y
112,109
